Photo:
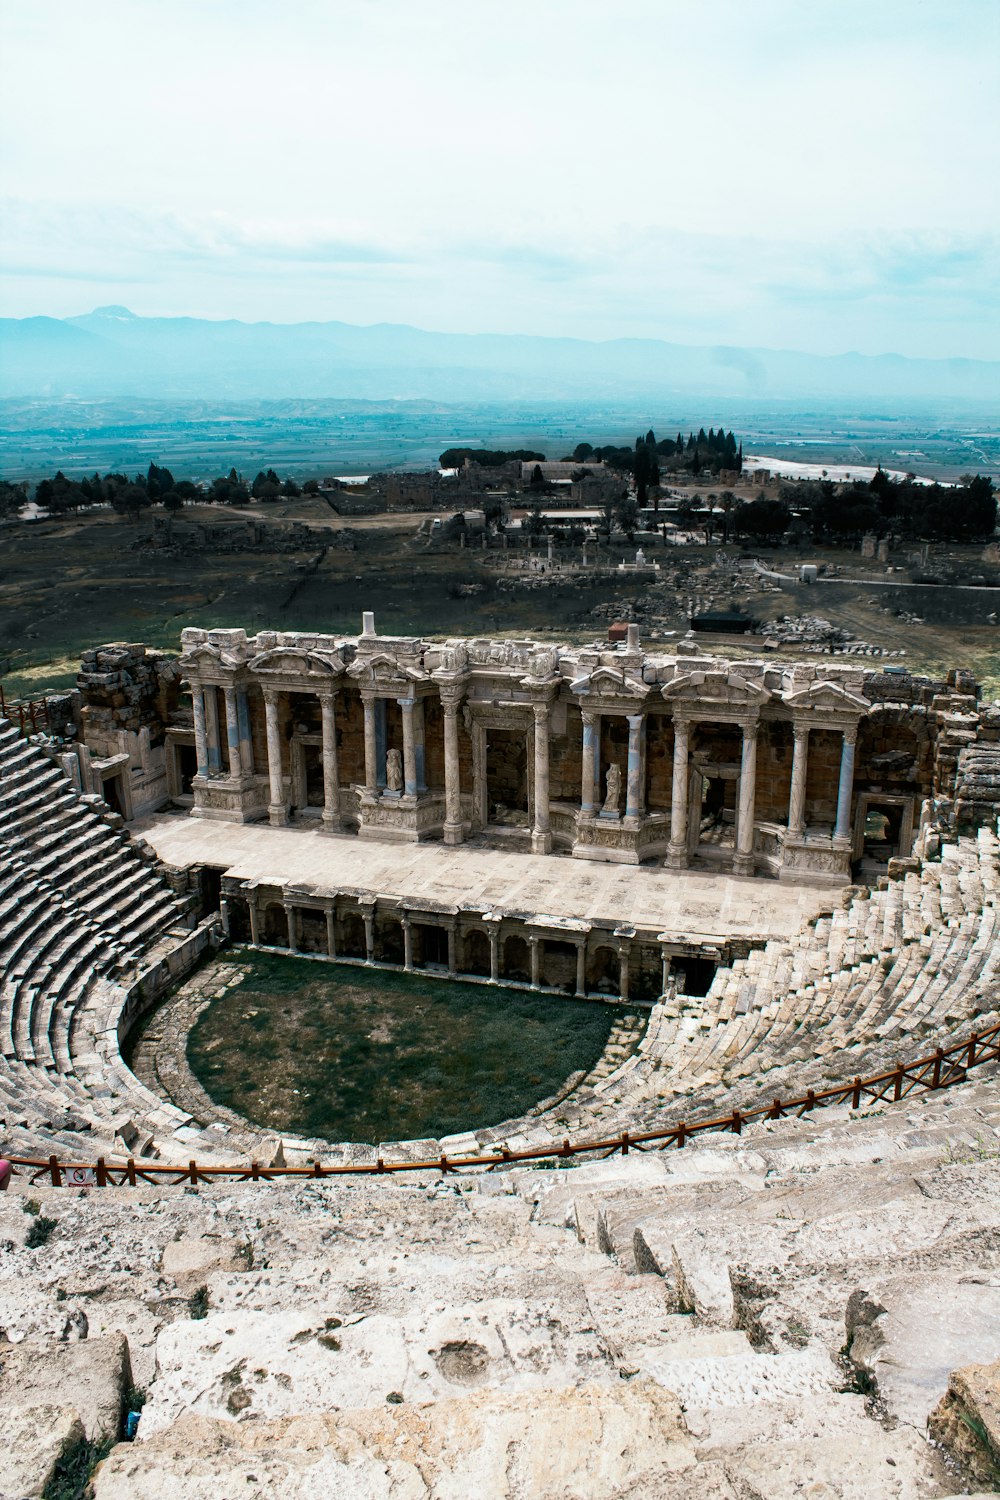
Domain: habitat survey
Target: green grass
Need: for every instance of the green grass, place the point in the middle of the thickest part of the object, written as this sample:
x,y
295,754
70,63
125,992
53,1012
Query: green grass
x,y
349,1054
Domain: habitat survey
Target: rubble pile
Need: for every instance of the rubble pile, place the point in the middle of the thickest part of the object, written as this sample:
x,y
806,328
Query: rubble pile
x,y
815,634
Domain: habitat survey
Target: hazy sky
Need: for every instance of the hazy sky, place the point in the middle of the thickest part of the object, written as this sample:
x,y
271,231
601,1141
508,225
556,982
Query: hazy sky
x,y
812,174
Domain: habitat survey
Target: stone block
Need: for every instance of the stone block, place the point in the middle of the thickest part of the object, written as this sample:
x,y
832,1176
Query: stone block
x,y
88,1377
588,1443
33,1438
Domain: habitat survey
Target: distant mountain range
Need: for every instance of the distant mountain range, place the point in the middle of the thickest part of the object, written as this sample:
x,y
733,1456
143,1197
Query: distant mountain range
x,y
111,354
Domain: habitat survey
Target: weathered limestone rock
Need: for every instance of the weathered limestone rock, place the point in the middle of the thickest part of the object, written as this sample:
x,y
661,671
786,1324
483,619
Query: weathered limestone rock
x,y
270,1364
928,1323
596,1442
190,1262
33,1438
967,1421
88,1377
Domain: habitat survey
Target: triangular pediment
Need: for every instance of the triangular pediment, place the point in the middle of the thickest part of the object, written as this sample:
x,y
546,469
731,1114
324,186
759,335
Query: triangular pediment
x,y
385,671
829,697
286,661
608,684
717,688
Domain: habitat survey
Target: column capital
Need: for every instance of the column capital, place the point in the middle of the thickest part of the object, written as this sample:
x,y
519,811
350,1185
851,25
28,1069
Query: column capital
x,y
850,733
750,728
635,720
407,701
541,708
270,693
800,730
590,716
327,696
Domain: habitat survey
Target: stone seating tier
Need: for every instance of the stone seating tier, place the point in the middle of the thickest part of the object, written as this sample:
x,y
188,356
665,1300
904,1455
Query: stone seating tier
x,y
667,1326
76,901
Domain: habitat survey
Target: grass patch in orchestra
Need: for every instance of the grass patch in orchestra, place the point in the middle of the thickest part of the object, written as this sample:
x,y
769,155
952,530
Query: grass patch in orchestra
x,y
368,1055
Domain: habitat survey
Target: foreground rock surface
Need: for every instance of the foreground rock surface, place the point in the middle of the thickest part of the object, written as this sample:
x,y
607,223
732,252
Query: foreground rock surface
x,y
591,1443
967,1422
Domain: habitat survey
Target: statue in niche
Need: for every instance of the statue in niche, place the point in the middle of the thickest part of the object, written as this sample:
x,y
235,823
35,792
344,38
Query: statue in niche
x,y
393,771
613,788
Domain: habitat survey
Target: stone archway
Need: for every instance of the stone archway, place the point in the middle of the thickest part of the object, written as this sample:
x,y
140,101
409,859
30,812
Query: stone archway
x,y
351,936
274,926
389,946
516,960
604,971
476,953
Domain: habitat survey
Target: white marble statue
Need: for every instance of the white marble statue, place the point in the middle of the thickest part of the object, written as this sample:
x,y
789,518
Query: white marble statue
x,y
613,788
394,771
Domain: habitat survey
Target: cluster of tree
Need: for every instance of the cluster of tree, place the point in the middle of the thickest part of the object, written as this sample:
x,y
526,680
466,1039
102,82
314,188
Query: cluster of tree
x,y
901,506
489,458
156,487
12,497
700,452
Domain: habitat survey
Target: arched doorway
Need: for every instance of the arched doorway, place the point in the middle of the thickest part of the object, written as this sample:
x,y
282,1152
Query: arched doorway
x,y
516,960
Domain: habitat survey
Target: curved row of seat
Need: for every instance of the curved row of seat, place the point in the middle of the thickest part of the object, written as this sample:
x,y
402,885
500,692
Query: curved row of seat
x,y
80,906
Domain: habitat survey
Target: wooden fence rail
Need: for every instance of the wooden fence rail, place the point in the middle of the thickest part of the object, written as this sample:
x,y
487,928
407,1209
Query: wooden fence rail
x,y
942,1069
29,715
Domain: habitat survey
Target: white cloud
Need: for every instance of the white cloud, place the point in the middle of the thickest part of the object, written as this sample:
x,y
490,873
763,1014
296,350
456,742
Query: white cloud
x,y
765,172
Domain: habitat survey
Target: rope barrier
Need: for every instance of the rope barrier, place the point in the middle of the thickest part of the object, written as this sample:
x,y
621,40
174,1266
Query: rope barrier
x,y
943,1069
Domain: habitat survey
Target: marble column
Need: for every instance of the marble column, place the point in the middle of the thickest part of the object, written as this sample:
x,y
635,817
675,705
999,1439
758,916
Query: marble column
x,y
292,921
407,943
797,795
633,780
591,724
331,771
535,945
541,835
493,932
419,750
452,949
246,738
212,730
371,757
664,971
254,921
200,742
331,932
846,787
409,748
743,862
677,850
368,918
623,976
233,734
453,831
277,811
581,967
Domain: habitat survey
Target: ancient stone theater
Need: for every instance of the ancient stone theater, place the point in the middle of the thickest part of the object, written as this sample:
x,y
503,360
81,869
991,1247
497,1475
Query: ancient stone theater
x,y
754,1248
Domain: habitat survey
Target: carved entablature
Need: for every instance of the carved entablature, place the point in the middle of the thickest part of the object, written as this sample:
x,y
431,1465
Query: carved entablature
x,y
824,703
612,689
387,677
295,671
716,695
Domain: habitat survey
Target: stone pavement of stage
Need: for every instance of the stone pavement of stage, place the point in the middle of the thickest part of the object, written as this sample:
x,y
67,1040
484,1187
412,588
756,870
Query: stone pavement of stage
x,y
688,905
